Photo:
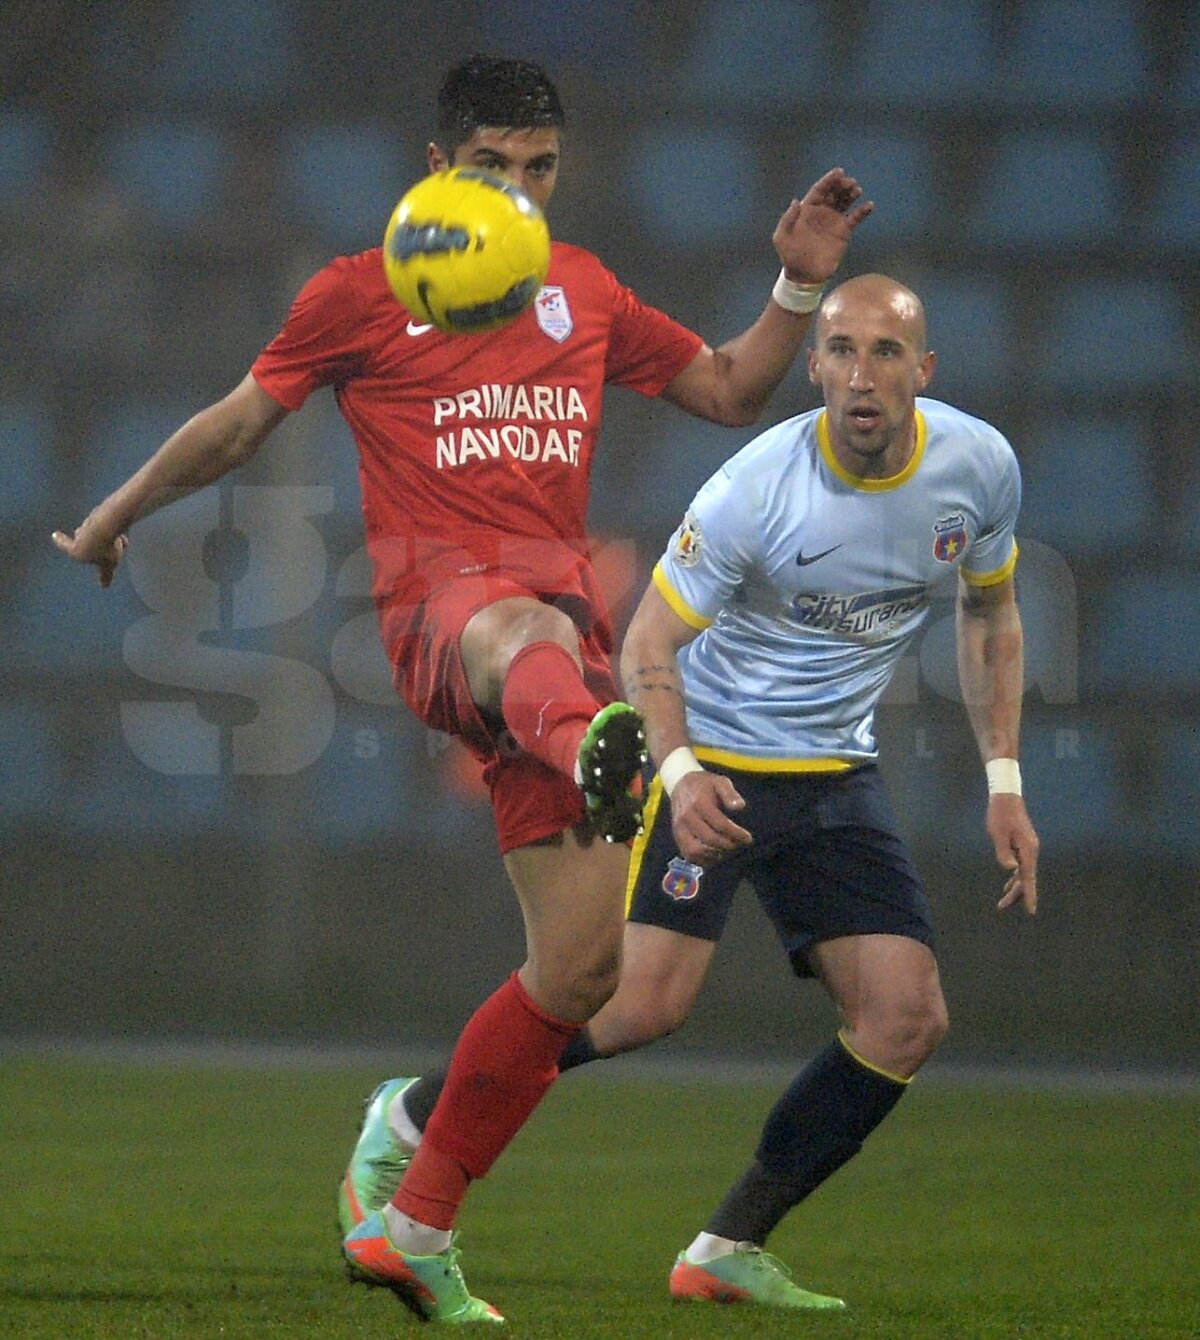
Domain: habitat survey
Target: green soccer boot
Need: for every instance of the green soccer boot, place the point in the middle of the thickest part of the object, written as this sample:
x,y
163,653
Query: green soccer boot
x,y
378,1161
431,1286
611,755
746,1275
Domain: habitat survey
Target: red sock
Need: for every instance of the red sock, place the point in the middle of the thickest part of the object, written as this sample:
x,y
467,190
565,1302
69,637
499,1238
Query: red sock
x,y
505,1060
546,704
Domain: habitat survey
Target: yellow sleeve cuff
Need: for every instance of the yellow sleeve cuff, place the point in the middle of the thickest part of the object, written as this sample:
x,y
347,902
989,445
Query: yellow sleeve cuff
x,y
677,602
992,578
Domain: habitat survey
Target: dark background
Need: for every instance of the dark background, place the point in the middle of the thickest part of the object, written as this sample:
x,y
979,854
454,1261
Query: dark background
x,y
215,819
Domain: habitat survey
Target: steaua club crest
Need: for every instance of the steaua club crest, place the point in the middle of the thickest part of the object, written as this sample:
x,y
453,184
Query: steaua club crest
x,y
687,544
949,537
682,880
553,314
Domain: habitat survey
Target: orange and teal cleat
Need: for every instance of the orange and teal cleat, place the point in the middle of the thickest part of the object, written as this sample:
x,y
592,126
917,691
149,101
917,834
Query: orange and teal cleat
x,y
378,1161
432,1286
746,1275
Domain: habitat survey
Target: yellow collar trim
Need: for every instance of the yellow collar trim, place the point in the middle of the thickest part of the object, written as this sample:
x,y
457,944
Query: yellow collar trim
x,y
872,485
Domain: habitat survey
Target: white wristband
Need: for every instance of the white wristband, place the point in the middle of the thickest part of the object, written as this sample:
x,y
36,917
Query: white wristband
x,y
800,298
1003,776
678,763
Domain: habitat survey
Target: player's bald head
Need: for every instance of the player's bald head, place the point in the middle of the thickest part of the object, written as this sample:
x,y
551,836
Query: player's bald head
x,y
874,295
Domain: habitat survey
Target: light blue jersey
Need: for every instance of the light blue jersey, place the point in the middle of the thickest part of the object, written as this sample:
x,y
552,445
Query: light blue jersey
x,y
809,583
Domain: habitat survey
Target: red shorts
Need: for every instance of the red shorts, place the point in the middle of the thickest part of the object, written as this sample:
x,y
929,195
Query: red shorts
x,y
530,800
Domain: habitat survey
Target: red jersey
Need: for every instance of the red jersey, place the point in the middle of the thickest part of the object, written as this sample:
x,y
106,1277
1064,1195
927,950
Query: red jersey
x,y
474,450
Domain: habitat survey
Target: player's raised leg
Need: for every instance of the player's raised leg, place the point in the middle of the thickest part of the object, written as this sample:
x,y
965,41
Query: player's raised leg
x,y
522,659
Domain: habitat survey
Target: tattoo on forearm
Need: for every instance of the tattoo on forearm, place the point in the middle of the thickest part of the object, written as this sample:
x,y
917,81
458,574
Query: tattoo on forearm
x,y
651,678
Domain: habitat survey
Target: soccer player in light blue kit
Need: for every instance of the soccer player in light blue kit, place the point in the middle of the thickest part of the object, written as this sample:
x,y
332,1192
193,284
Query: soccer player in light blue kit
x,y
774,621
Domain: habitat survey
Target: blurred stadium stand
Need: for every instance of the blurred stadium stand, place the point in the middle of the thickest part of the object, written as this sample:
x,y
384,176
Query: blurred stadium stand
x,y
169,172
664,168
1074,54
25,141
341,180
923,56
1036,169
230,53
898,170
27,443
1174,223
1143,641
607,38
1185,83
1046,189
33,760
973,329
756,56
1117,510
1122,336
1177,783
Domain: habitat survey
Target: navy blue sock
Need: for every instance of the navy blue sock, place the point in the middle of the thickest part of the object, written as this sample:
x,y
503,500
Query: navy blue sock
x,y
818,1123
421,1098
579,1051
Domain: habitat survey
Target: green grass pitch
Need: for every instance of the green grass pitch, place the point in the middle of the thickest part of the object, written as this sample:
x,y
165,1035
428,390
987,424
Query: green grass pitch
x,y
176,1202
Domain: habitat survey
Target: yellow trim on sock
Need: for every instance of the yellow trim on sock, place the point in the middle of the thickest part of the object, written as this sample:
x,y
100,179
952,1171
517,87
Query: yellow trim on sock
x,y
870,1065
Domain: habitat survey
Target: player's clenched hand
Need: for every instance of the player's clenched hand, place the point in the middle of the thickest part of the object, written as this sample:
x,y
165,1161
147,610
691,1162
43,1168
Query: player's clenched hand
x,y
1016,849
92,543
700,808
813,233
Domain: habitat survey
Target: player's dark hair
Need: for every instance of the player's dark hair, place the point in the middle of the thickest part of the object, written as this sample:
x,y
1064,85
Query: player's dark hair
x,y
494,91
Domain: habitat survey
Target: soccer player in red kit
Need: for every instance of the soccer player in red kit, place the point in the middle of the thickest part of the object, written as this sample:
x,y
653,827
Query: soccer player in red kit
x,y
475,452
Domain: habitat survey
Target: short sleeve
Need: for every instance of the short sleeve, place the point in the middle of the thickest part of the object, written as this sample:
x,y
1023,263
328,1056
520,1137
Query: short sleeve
x,y
993,555
711,551
646,347
320,343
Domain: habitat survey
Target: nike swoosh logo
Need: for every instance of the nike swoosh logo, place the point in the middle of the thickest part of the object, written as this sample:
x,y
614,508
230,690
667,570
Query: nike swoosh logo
x,y
414,329
802,561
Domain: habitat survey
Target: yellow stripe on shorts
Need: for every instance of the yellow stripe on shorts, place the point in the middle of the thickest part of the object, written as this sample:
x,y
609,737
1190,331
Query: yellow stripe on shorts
x,y
649,814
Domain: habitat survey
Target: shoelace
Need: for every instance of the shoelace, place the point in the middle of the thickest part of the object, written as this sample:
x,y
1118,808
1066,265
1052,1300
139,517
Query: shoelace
x,y
391,1167
764,1261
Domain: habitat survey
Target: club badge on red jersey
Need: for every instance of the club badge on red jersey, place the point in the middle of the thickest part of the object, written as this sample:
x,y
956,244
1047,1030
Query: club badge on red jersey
x,y
949,537
553,314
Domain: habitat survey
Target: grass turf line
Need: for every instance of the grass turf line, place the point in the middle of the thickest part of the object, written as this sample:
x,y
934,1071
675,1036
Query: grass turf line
x,y
168,1202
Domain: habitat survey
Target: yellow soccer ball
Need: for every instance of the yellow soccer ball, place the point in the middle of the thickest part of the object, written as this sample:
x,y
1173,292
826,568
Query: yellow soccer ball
x,y
466,250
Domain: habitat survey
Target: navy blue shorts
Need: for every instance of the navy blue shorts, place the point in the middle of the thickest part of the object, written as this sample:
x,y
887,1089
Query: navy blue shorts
x,y
826,861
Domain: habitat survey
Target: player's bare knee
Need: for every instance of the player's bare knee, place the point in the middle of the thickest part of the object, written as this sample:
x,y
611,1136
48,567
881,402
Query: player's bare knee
x,y
584,989
663,1013
668,1017
901,1032
937,1023
915,1030
498,633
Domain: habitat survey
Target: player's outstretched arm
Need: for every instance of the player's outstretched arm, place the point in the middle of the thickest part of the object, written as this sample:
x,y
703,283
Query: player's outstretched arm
x,y
209,445
733,383
701,801
812,236
991,668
